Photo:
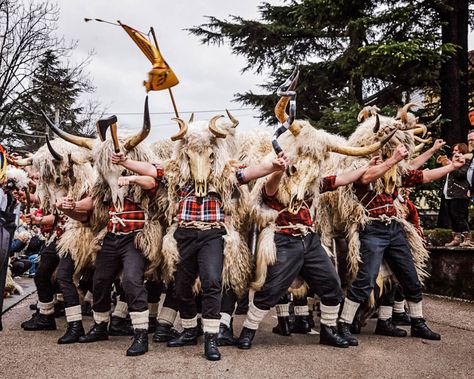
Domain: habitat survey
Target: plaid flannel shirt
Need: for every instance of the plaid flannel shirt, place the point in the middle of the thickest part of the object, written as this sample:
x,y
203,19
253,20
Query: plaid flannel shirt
x,y
382,204
303,216
201,209
131,219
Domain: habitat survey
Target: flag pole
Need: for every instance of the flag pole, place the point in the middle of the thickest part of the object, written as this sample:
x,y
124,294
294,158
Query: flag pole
x,y
169,89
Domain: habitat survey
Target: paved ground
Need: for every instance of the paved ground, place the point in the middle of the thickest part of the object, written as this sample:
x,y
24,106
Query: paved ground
x,y
36,354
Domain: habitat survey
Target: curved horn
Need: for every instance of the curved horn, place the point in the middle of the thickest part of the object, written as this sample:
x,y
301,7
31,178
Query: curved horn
x,y
364,150
183,128
191,119
377,123
24,162
133,141
404,111
363,114
280,108
419,147
427,140
419,129
213,127
235,122
53,152
88,143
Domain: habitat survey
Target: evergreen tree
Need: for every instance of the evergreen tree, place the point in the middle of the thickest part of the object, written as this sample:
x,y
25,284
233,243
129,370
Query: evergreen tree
x,y
54,88
347,50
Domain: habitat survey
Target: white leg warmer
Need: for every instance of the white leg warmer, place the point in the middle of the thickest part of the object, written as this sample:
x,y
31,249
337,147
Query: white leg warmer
x,y
73,313
329,314
101,317
415,309
189,322
46,308
399,306
153,309
139,319
167,316
225,319
121,309
385,312
254,317
282,310
210,325
88,297
348,311
301,310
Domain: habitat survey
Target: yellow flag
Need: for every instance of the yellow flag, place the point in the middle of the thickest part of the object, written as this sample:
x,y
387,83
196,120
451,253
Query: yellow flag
x,y
3,163
161,75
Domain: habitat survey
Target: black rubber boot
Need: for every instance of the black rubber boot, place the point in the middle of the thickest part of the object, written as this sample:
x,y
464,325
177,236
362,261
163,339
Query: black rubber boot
x,y
120,327
388,328
187,337
344,332
401,318
210,347
301,325
40,322
225,336
73,332
34,316
140,343
152,322
165,333
246,338
330,337
283,327
98,332
421,330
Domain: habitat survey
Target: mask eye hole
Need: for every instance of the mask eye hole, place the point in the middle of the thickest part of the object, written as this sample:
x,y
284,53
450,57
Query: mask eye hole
x,y
124,173
58,180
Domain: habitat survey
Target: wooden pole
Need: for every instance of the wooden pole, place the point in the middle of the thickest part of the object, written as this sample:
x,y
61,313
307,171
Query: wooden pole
x,y
169,89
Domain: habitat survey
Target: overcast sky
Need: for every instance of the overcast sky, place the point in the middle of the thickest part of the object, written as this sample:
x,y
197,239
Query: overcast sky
x,y
209,75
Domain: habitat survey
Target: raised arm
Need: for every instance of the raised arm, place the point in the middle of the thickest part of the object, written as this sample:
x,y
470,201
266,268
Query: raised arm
x,y
437,173
279,164
145,182
353,176
141,168
375,172
421,159
78,210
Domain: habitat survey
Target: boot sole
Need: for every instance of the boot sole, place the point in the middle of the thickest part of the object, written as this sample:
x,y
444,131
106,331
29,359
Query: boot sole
x,y
96,340
426,338
333,345
38,329
67,342
213,358
136,354
390,335
244,347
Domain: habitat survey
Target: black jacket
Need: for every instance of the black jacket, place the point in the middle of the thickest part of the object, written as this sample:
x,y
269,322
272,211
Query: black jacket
x,y
458,186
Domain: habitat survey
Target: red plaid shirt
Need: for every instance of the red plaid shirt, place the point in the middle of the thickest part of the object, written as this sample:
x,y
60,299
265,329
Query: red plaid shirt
x,y
202,209
382,204
303,216
131,219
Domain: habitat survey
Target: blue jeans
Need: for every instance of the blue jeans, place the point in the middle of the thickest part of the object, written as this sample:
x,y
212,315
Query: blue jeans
x,y
33,259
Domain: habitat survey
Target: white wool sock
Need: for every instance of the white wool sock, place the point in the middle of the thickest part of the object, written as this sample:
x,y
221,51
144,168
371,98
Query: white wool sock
x,y
73,313
399,306
301,310
415,310
101,317
283,310
226,319
254,317
167,316
329,314
210,325
348,311
153,309
121,309
385,312
189,323
46,308
140,319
